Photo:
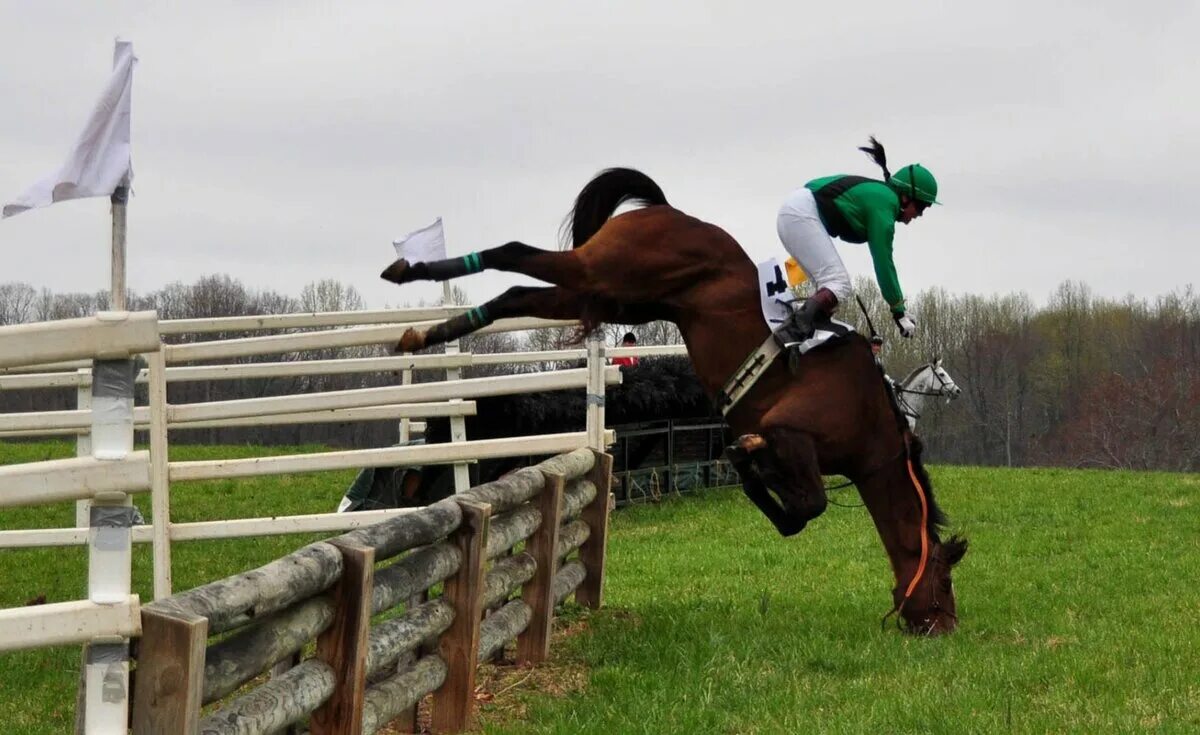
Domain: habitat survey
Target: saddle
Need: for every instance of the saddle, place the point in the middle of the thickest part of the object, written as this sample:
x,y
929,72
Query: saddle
x,y
794,342
829,331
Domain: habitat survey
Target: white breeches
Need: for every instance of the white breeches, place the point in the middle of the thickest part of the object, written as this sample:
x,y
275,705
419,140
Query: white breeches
x,y
805,239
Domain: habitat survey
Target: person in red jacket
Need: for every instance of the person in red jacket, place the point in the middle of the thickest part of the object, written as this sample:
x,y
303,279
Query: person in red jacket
x,y
629,340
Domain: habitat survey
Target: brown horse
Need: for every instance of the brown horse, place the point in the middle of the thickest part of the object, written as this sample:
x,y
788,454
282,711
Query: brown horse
x,y
832,414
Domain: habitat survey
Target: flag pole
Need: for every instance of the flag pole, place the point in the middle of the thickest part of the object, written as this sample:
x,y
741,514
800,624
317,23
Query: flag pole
x,y
120,202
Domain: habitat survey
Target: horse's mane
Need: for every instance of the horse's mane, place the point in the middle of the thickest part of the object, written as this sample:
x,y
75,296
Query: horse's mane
x,y
913,372
954,547
937,518
601,197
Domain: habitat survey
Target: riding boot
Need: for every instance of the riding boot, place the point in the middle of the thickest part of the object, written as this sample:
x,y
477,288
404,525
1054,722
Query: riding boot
x,y
802,323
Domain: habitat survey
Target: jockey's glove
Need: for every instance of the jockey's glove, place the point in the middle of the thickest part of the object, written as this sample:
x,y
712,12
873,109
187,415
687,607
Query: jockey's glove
x,y
906,324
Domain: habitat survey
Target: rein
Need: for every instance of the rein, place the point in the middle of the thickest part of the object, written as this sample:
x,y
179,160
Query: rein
x,y
898,608
868,473
905,406
902,389
906,453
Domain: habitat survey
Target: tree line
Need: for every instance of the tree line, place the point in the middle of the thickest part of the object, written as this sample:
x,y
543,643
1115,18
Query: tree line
x,y
1080,381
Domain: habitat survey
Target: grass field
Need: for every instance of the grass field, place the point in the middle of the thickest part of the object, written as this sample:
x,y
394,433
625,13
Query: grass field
x,y
1078,604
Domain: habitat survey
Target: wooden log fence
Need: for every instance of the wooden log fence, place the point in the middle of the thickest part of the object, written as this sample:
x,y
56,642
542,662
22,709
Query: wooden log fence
x,y
506,544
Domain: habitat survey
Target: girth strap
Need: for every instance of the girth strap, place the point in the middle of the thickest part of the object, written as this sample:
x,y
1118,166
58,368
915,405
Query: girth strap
x,y
747,375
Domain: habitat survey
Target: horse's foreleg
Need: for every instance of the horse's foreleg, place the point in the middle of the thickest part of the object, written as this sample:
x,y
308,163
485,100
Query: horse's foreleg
x,y
797,471
756,490
545,302
514,257
784,460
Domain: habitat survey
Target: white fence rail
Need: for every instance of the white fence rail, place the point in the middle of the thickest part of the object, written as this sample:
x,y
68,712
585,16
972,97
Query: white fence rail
x,y
61,623
37,483
109,335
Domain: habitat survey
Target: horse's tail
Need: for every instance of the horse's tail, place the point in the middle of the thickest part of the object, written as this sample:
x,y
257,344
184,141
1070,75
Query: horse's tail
x,y
601,197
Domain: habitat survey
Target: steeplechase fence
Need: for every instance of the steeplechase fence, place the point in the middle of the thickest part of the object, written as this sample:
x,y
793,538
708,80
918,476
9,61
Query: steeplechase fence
x,y
102,357
519,545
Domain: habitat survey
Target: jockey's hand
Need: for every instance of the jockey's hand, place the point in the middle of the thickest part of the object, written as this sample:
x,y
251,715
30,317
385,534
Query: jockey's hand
x,y
906,324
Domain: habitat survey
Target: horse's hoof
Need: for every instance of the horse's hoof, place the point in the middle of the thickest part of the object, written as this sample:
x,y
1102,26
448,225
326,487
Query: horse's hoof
x,y
791,527
737,456
411,341
398,272
751,442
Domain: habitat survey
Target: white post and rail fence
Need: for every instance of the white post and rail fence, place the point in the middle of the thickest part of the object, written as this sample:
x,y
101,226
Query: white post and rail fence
x,y
100,356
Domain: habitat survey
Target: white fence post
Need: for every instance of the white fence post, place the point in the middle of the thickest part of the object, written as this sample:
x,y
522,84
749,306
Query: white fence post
x,y
458,424
595,391
83,443
106,681
110,546
160,484
406,378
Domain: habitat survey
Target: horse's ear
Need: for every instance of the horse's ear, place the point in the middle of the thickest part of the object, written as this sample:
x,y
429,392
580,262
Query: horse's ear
x,y
954,549
937,362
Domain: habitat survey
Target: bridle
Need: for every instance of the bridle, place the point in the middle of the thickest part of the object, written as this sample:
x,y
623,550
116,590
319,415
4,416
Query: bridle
x,y
901,391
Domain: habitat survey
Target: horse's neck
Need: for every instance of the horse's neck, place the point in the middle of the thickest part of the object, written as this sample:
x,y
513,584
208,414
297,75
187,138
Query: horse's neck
x,y
921,384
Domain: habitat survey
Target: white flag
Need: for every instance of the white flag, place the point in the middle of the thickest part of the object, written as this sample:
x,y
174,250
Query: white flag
x,y
423,245
100,160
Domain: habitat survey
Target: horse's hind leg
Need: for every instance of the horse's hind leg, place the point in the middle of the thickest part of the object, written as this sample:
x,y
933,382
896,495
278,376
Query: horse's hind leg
x,y
515,257
546,302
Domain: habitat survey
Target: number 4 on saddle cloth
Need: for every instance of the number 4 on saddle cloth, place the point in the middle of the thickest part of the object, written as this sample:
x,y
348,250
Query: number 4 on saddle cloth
x,y
776,282
778,301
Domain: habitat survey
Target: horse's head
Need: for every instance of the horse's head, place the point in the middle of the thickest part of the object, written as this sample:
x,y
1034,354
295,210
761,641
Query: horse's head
x,y
931,610
945,385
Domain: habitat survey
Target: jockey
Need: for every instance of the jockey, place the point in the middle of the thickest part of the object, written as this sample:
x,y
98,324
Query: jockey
x,y
855,209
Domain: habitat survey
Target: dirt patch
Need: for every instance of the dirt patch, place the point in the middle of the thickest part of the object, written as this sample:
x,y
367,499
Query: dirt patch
x,y
1055,641
500,687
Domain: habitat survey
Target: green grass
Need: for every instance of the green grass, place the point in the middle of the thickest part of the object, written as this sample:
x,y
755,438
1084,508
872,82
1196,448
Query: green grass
x,y
37,687
1078,604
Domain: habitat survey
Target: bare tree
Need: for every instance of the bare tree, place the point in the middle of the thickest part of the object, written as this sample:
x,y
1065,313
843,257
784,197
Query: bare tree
x,y
17,302
330,295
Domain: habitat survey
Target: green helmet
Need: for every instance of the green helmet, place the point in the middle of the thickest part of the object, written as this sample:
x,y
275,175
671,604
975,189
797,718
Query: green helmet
x,y
917,182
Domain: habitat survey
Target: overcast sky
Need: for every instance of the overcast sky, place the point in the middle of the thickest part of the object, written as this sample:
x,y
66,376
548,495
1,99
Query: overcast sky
x,y
281,143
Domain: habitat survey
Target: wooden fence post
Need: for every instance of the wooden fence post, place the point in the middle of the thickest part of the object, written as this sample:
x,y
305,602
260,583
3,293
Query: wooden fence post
x,y
595,513
454,701
344,644
533,645
170,673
